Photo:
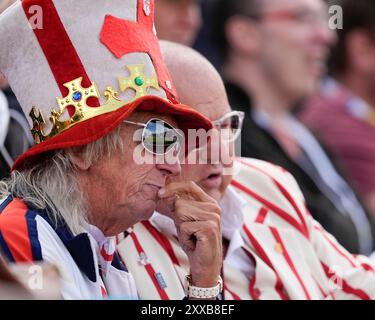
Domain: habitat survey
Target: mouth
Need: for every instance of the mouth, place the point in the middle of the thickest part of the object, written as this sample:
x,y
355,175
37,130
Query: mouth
x,y
155,187
213,180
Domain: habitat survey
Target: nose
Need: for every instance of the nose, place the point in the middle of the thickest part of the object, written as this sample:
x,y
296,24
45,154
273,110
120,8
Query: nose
x,y
170,167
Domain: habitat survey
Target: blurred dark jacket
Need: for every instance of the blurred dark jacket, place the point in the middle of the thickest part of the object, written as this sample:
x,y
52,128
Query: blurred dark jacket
x,y
258,143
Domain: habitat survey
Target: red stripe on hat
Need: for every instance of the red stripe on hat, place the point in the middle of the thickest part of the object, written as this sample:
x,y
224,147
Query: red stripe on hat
x,y
289,261
123,36
58,49
149,268
13,226
141,15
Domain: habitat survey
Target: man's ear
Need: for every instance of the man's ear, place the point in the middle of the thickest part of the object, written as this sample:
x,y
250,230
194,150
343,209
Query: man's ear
x,y
243,35
78,159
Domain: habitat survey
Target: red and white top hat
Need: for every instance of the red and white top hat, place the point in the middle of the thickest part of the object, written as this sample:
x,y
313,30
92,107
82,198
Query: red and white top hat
x,y
79,68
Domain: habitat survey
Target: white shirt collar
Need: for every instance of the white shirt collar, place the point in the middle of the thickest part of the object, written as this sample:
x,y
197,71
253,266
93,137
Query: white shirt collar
x,y
98,235
232,216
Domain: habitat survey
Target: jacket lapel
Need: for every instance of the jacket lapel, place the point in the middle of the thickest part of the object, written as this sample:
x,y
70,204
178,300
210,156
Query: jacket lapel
x,y
264,184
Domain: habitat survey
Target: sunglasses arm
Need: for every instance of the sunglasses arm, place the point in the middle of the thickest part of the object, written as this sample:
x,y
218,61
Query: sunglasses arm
x,y
136,123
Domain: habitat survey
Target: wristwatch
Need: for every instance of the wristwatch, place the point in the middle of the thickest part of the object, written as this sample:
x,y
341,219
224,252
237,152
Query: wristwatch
x,y
203,293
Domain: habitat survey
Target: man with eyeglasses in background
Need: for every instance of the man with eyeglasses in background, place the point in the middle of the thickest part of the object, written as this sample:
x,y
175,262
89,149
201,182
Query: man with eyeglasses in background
x,y
342,113
274,55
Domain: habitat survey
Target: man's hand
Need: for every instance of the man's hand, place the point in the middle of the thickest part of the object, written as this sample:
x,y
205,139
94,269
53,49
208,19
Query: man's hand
x,y
197,219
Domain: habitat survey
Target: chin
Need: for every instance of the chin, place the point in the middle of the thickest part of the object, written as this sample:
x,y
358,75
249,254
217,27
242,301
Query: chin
x,y
215,194
148,211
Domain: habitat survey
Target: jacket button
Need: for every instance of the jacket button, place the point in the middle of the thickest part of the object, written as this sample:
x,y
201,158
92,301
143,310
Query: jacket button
x,y
278,247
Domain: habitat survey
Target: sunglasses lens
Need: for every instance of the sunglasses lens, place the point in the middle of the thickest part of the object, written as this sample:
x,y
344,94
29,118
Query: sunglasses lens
x,y
159,137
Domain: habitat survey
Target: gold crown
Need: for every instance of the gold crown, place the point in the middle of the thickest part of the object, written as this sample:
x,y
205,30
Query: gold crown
x,y
77,98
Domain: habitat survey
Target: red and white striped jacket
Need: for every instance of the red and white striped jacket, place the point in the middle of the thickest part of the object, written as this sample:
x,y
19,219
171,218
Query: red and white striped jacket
x,y
294,257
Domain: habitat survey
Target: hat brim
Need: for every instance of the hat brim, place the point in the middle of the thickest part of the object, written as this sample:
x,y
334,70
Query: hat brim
x,y
98,127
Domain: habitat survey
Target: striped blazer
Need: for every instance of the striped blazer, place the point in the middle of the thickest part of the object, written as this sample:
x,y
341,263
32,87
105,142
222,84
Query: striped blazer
x,y
294,257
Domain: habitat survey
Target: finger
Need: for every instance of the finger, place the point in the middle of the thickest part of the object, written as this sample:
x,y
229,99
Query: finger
x,y
187,214
196,233
203,206
185,189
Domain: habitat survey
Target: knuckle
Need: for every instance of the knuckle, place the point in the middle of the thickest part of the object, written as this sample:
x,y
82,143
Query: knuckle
x,y
216,209
183,228
212,228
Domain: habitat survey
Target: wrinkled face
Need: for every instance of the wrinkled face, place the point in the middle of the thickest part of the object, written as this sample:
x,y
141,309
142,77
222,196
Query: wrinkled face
x,y
295,43
178,20
123,192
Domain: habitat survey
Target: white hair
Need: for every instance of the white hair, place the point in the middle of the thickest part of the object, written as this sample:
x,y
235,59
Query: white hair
x,y
52,184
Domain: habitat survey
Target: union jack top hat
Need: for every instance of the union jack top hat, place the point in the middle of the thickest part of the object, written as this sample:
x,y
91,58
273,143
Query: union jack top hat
x,y
79,68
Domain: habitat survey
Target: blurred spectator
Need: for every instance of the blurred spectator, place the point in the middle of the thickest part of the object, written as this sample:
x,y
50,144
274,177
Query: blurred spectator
x,y
343,113
178,20
275,51
29,281
5,159
15,137
3,5
205,43
11,287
